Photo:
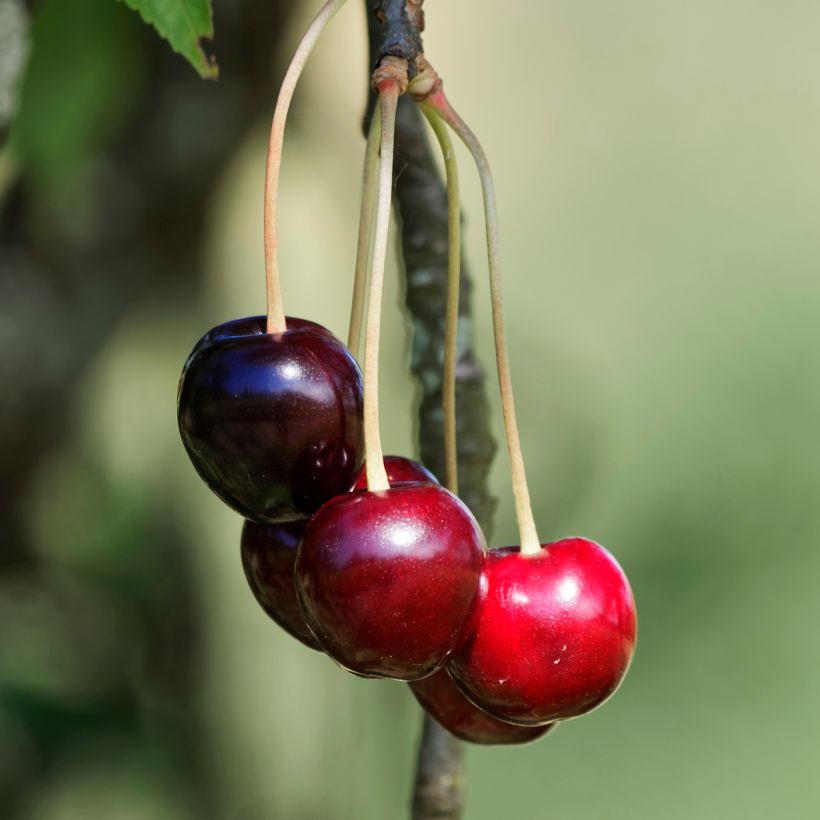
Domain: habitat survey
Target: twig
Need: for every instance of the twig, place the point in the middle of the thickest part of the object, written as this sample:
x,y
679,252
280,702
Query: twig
x,y
421,203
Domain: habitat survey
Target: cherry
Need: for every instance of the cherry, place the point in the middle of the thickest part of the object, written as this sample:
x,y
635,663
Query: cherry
x,y
272,423
554,633
445,703
399,470
268,556
388,580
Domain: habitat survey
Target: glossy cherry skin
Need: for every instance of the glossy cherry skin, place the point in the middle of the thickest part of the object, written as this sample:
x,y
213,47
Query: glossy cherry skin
x,y
272,423
553,635
444,702
388,580
399,470
268,555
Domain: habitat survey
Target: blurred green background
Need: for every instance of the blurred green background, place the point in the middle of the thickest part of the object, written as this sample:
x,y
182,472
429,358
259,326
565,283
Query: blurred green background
x,y
657,167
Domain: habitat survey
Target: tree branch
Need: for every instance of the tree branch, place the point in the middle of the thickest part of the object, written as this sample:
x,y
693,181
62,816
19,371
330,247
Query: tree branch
x,y
396,24
421,202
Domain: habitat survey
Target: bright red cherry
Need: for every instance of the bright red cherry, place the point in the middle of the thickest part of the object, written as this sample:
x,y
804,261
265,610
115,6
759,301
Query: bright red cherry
x,y
388,580
399,470
443,701
268,556
554,633
272,423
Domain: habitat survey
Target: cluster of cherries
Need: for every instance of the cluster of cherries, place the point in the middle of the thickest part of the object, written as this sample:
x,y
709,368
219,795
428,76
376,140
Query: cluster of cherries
x,y
398,583
377,564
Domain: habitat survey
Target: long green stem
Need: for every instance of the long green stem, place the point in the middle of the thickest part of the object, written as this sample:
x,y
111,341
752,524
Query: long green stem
x,y
453,282
374,458
276,312
523,508
369,184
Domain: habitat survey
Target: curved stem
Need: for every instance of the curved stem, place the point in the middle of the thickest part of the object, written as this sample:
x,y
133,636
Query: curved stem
x,y
523,508
276,313
453,282
369,181
374,458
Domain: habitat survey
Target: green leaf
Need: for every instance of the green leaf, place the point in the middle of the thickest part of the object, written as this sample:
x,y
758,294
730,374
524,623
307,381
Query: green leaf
x,y
183,23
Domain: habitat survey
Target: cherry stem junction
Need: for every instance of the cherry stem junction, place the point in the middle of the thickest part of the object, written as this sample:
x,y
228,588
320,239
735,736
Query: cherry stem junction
x,y
530,544
453,284
276,312
369,184
374,458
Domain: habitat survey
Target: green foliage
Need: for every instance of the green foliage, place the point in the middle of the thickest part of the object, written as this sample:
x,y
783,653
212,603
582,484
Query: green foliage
x,y
183,23
82,73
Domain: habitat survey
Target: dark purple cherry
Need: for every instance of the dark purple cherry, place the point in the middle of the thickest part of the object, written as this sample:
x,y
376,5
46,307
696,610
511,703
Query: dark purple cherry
x,y
399,471
388,580
268,556
272,423
442,700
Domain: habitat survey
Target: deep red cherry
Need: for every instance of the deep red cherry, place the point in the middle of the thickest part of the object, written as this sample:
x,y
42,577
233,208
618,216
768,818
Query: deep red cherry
x,y
554,633
399,470
443,701
388,580
268,556
272,423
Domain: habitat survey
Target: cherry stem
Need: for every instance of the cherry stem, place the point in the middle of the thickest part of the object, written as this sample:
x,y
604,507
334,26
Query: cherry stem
x,y
369,183
530,544
276,313
453,282
374,458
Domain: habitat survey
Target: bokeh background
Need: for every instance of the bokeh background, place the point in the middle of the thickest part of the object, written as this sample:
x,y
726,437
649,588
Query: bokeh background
x,y
657,167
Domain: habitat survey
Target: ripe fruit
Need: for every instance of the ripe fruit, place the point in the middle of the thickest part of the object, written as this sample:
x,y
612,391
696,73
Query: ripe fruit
x,y
443,701
399,470
387,580
268,555
272,423
554,633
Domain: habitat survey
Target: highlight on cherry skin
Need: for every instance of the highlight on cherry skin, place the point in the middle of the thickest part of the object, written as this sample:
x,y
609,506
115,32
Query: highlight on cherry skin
x,y
272,423
399,470
447,705
554,633
268,556
388,580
